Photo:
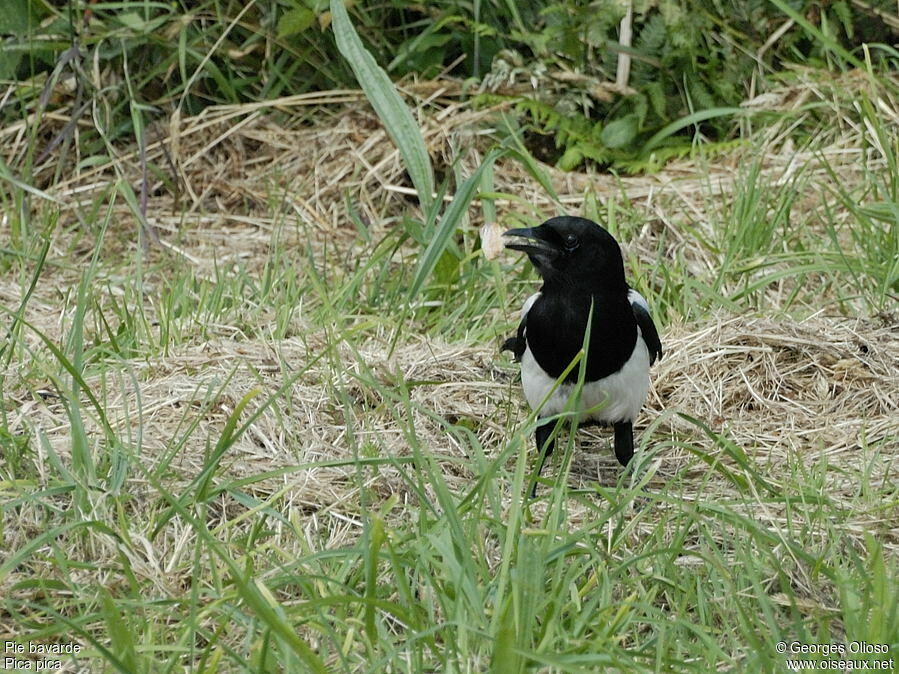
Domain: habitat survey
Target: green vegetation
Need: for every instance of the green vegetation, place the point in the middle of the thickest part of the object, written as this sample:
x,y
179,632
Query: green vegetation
x,y
253,417
556,64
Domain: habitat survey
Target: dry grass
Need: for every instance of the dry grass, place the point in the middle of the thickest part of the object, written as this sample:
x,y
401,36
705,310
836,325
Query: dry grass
x,y
783,391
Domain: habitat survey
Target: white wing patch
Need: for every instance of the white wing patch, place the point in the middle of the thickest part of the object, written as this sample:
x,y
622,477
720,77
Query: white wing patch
x,y
529,302
636,298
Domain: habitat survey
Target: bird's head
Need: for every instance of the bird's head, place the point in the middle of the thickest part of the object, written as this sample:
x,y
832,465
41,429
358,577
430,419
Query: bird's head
x,y
571,251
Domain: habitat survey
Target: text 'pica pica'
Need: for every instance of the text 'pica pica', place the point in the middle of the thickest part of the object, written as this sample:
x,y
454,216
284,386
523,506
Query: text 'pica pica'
x,y
581,266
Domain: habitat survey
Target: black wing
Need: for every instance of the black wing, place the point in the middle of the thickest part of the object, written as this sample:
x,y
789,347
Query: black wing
x,y
648,329
517,343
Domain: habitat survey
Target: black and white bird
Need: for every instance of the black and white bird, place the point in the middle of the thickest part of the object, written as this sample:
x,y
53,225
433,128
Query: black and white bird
x,y
581,266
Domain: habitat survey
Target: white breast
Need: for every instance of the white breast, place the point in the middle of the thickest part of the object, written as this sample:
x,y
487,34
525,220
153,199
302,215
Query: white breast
x,y
618,397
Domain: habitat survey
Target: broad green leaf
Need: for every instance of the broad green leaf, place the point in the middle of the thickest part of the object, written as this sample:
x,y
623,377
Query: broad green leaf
x,y
8,64
620,133
132,20
16,17
570,159
122,638
446,271
388,105
295,21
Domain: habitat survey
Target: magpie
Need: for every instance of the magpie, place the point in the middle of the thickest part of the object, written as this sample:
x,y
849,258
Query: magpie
x,y
582,268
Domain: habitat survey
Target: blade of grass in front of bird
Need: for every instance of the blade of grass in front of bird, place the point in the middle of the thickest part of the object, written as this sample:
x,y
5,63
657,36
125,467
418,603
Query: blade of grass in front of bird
x,y
388,105
448,224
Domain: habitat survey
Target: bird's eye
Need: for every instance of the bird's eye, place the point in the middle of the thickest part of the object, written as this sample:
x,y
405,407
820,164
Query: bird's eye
x,y
571,242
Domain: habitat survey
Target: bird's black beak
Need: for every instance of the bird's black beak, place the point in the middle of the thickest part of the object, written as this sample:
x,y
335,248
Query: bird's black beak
x,y
533,241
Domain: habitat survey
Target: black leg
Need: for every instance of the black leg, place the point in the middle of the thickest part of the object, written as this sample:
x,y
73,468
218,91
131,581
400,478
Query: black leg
x,y
545,447
624,442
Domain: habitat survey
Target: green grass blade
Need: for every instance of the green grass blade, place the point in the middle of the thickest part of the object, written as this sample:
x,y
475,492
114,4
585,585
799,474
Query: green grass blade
x,y
388,105
376,539
6,349
448,224
684,122
505,659
47,538
816,33
518,150
122,638
251,590
73,371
